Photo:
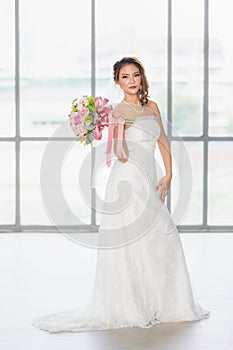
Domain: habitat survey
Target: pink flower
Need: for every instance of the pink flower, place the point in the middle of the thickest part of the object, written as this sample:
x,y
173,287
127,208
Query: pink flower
x,y
82,101
83,112
80,129
77,119
82,137
74,114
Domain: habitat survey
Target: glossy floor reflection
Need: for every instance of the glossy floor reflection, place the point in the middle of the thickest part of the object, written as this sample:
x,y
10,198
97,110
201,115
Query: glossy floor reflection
x,y
47,272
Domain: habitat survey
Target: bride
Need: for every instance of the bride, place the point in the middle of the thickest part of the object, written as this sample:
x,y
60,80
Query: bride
x,y
141,274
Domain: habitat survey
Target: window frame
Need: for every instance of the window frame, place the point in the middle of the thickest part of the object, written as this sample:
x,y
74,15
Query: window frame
x,y
205,138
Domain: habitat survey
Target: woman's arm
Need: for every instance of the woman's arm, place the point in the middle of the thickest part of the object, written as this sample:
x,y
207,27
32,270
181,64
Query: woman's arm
x,y
123,158
164,183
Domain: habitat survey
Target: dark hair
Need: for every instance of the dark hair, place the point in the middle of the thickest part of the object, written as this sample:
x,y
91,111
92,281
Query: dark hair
x,y
143,91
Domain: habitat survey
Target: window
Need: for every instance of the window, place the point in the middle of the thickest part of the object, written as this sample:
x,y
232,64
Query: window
x,y
67,50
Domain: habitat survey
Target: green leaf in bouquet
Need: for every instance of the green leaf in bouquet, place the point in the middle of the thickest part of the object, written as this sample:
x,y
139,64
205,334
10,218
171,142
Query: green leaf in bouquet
x,y
92,108
74,105
88,117
74,108
91,101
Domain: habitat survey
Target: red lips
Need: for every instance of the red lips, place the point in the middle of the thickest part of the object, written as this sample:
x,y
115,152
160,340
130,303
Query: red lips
x,y
133,87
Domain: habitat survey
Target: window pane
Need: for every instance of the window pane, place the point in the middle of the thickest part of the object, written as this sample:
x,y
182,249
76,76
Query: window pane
x,y
187,70
7,183
193,211
130,29
73,167
32,211
221,70
33,208
220,195
55,61
7,65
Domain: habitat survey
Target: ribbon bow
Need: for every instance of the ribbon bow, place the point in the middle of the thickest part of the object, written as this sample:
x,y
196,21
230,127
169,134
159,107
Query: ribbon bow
x,y
103,111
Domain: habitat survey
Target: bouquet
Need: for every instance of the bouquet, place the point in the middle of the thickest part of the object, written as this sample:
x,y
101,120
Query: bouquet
x,y
88,117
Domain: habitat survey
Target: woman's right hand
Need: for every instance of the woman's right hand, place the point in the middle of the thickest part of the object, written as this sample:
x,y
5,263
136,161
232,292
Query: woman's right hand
x,y
123,159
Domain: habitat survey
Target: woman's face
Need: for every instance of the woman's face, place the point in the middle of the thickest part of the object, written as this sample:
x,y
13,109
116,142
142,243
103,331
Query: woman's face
x,y
129,79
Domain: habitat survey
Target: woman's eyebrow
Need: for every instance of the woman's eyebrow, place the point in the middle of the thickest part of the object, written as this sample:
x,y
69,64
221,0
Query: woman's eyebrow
x,y
129,73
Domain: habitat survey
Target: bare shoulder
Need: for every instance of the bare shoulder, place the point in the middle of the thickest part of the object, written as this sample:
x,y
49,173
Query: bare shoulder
x,y
154,106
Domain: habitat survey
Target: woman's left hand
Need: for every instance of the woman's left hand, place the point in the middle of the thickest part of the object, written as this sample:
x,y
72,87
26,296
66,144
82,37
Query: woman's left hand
x,y
164,185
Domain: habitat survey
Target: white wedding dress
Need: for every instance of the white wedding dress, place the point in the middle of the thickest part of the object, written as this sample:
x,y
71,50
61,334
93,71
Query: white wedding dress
x,y
141,274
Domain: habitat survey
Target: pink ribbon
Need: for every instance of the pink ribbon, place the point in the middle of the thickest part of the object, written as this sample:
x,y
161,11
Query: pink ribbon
x,y
103,111
98,131
121,122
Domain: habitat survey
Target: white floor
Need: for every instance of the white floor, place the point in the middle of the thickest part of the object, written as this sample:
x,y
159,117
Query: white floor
x,y
43,273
